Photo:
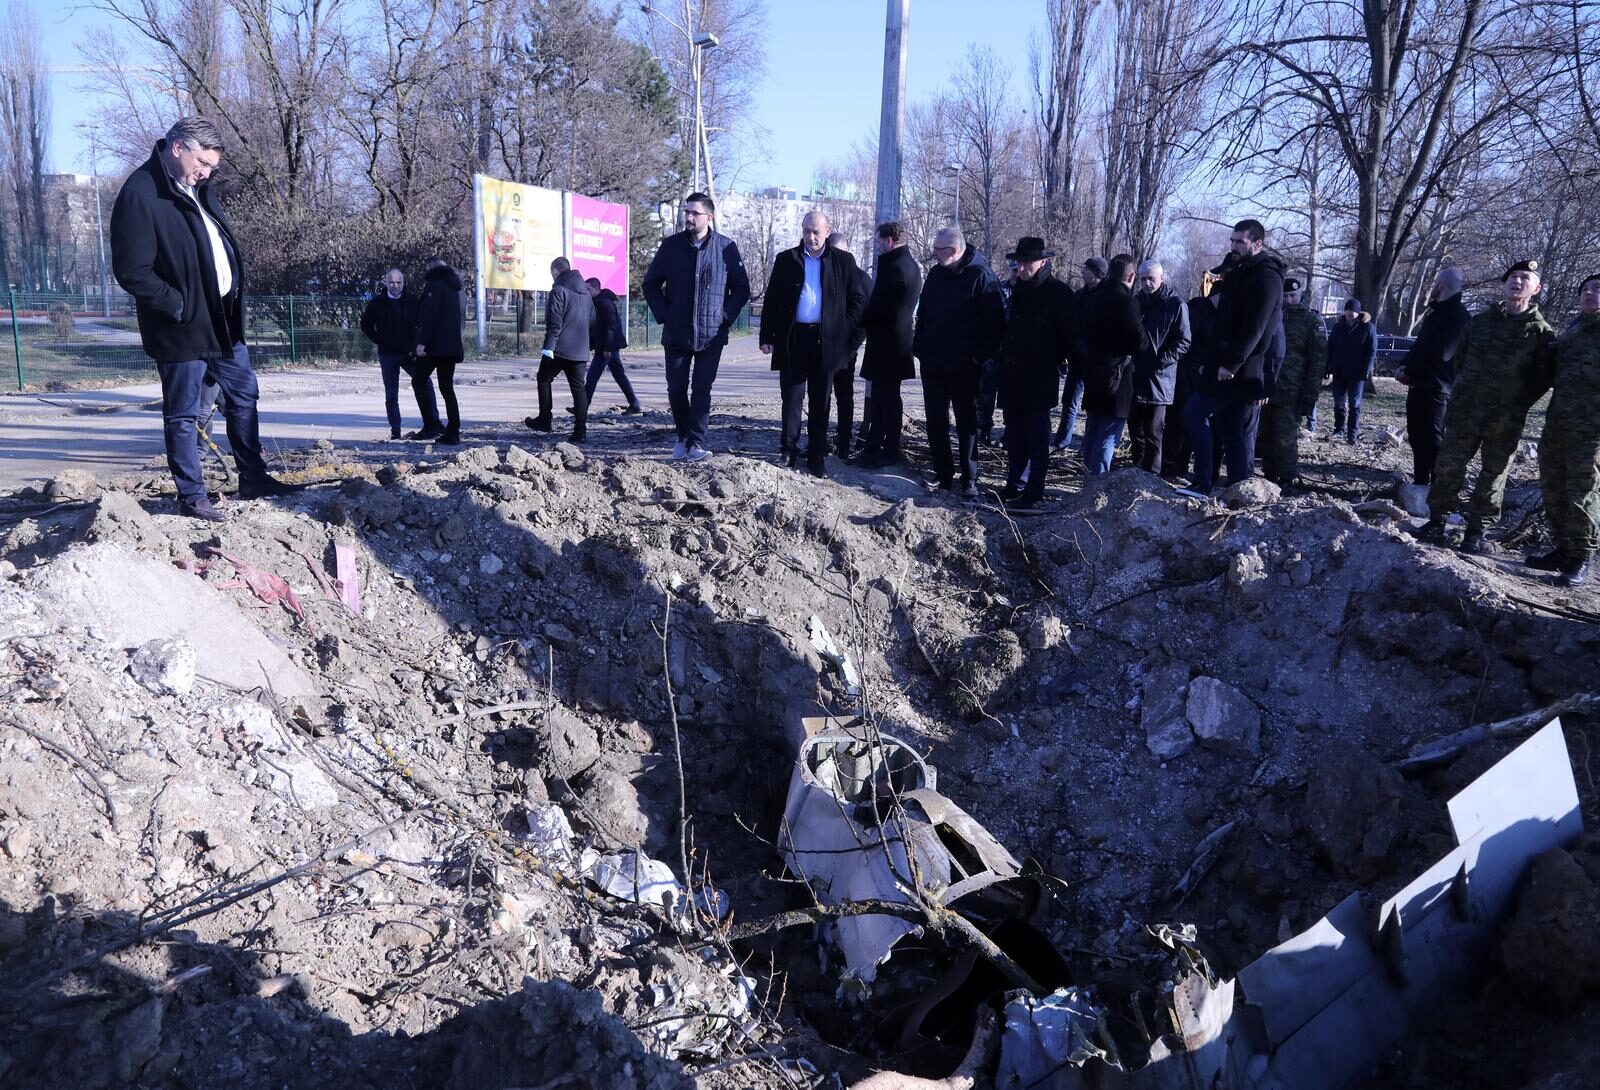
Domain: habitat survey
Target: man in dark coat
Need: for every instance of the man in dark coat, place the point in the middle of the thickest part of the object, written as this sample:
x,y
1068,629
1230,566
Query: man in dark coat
x,y
1093,273
1352,353
174,252
695,287
1233,377
568,332
390,322
888,360
812,304
1176,450
961,319
1429,370
439,347
607,339
1112,337
1038,331
1155,373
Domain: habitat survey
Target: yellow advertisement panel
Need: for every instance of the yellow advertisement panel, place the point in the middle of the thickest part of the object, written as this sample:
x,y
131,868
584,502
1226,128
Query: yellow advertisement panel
x,y
520,235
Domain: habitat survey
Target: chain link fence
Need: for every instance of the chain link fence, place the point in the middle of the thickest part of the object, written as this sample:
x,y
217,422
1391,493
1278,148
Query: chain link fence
x,y
63,340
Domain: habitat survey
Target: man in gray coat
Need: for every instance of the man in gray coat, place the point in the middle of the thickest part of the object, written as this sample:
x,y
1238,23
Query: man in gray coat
x,y
1155,370
568,313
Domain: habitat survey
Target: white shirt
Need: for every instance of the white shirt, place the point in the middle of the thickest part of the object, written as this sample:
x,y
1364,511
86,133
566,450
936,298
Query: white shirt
x,y
219,251
809,309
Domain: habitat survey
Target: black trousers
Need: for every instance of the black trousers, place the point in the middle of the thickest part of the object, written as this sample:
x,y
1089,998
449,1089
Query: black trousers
x,y
844,390
806,383
421,386
1028,447
988,394
885,417
947,393
1425,429
1146,425
549,368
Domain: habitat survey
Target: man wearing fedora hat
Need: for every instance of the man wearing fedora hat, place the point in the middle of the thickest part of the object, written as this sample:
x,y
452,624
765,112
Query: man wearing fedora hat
x,y
1505,366
1038,330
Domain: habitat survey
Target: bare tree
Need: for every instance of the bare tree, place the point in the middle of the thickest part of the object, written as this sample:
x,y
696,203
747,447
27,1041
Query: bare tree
x,y
24,126
1059,66
990,143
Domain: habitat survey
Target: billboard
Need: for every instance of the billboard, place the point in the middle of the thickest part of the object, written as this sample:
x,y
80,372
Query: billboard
x,y
522,228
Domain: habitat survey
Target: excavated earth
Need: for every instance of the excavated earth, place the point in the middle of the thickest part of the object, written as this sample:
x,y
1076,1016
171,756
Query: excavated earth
x,y
332,840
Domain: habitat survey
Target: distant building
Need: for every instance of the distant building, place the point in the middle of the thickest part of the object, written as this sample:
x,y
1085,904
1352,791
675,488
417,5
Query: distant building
x,y
766,222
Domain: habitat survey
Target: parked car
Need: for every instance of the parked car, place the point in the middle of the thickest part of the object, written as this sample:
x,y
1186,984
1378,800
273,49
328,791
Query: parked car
x,y
1391,350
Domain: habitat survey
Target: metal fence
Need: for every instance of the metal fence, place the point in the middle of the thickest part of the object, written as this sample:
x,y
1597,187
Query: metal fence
x,y
64,340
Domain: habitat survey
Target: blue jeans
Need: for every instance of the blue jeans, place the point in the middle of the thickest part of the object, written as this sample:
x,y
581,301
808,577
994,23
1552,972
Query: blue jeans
x,y
608,359
1347,394
182,384
1071,402
1208,419
1100,435
689,379
391,364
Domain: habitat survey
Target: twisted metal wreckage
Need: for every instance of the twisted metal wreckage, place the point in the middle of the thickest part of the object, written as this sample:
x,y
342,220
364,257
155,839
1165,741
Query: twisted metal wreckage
x,y
864,821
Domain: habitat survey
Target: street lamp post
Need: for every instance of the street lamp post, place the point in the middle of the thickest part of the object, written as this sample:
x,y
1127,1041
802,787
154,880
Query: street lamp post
x,y
953,172
99,224
698,44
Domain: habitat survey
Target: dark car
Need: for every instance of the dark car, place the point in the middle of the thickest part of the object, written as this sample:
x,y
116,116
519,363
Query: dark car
x,y
1391,350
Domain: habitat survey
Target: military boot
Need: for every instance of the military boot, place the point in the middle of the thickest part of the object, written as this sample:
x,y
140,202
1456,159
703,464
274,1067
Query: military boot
x,y
1472,541
1554,560
1432,531
1575,573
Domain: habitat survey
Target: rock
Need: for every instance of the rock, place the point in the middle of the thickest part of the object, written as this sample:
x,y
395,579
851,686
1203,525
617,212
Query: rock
x,y
1166,730
17,842
560,636
571,456
1223,718
131,599
565,745
1045,631
520,461
137,1038
393,472
323,445
484,457
490,564
549,832
1251,492
362,503
20,614
117,516
1248,582
165,666
1551,949
1413,498
72,485
1352,810
610,800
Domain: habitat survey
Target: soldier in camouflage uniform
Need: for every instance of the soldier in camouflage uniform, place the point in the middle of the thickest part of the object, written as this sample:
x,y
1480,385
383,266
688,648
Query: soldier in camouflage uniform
x,y
1294,395
1569,448
1504,368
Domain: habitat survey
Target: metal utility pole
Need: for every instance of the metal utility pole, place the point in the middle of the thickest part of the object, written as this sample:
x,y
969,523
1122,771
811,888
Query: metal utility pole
x,y
99,223
892,121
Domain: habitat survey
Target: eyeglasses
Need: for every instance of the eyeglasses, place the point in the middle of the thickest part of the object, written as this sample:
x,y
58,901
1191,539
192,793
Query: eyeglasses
x,y
944,249
693,212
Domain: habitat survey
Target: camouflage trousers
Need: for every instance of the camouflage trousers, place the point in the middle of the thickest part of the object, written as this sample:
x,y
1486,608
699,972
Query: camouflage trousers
x,y
1495,441
1280,443
1569,479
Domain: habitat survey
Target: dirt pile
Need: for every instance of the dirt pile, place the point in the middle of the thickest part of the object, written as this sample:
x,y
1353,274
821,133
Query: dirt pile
x,y
318,789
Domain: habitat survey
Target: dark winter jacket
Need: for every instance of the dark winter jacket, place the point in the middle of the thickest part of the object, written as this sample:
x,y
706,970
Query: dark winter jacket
x,y
1111,341
1352,349
1277,349
961,316
1249,312
1037,339
858,332
696,292
391,324
1430,365
888,318
439,316
161,254
568,314
1167,338
606,333
843,300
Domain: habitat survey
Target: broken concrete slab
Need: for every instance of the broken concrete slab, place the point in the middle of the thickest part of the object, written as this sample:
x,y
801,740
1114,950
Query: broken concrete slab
x,y
1223,718
165,666
128,599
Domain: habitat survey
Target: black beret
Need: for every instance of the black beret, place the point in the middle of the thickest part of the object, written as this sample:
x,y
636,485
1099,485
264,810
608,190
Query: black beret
x,y
1291,284
1521,266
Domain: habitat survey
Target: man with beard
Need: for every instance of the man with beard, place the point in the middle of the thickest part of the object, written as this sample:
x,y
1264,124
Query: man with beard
x,y
1035,346
1155,373
1505,367
1429,370
1235,376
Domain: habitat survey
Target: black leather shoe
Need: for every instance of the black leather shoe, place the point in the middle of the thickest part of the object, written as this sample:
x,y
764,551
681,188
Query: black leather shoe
x,y
202,509
271,486
1026,503
968,490
1010,492
1575,573
537,423
817,468
1554,560
450,438
633,410
427,433
394,433
578,437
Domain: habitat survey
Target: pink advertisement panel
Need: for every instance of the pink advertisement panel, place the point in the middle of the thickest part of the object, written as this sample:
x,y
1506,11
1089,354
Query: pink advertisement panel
x,y
597,241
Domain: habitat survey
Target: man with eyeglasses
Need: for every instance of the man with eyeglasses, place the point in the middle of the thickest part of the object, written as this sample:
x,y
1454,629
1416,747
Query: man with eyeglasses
x,y
695,287
174,252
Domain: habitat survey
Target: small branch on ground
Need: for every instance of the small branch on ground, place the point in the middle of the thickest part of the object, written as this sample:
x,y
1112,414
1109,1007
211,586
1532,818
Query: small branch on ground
x,y
1444,750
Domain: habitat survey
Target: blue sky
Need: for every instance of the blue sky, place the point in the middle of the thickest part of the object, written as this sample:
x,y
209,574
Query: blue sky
x,y
821,94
